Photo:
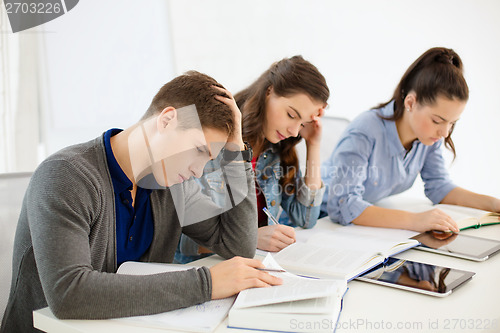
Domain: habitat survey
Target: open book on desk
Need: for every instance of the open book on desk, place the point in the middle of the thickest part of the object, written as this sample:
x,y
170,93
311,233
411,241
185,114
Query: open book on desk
x,y
203,317
290,307
466,218
345,252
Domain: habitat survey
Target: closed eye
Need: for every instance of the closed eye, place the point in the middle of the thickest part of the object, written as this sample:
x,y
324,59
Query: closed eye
x,y
304,124
202,150
436,120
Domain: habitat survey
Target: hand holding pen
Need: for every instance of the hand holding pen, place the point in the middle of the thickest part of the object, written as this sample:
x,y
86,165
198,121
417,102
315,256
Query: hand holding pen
x,y
274,236
272,220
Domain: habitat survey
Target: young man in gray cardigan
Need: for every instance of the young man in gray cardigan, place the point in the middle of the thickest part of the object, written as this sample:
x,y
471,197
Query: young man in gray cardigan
x,y
88,208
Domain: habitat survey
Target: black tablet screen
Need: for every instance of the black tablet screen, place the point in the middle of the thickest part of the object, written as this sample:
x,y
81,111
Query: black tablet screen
x,y
459,244
416,275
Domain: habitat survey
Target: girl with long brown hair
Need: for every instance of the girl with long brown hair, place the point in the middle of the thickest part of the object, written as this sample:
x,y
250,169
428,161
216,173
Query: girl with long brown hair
x,y
282,107
383,151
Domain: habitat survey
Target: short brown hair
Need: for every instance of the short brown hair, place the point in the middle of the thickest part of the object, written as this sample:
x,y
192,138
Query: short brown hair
x,y
198,89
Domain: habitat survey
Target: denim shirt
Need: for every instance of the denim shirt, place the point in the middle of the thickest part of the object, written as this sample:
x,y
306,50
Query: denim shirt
x,y
300,209
370,163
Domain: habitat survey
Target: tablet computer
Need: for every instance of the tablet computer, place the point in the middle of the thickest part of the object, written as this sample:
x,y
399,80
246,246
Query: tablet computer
x,y
457,245
418,277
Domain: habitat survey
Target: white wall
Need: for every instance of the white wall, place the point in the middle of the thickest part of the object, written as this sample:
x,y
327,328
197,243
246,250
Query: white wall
x,y
102,64
363,48
104,60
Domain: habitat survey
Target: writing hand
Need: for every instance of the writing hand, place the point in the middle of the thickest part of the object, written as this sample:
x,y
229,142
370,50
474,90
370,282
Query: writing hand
x,y
274,238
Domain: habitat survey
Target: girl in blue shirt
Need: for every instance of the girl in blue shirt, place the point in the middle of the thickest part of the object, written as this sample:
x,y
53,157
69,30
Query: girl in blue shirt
x,y
383,150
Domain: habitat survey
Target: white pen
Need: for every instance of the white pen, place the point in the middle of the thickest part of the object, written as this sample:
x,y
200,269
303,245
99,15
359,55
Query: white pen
x,y
271,218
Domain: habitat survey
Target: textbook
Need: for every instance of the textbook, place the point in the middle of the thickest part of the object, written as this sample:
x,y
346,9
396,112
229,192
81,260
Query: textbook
x,y
203,317
468,218
300,304
465,217
345,252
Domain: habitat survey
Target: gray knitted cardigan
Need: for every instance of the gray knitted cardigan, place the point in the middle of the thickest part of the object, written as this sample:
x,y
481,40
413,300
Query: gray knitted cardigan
x,y
65,249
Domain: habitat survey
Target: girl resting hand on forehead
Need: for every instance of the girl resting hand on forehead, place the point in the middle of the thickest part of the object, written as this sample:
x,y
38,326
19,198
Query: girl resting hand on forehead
x,y
282,107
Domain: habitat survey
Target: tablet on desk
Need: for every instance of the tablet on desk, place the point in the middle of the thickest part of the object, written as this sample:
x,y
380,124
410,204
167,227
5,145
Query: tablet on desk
x,y
458,245
417,277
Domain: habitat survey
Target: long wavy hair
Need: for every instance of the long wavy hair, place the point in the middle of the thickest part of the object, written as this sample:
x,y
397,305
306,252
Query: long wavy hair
x,y
287,77
437,72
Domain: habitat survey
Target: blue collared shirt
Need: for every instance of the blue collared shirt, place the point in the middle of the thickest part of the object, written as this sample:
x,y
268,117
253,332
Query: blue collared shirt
x,y
134,224
370,163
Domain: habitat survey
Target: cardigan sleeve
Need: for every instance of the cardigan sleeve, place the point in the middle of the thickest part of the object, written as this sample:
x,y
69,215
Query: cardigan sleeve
x,y
228,230
66,213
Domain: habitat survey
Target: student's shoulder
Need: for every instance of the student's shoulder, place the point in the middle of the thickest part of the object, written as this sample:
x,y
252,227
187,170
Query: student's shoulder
x,y
81,153
77,160
368,124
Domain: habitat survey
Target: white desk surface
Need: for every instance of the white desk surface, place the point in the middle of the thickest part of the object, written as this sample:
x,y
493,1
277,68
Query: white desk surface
x,y
474,307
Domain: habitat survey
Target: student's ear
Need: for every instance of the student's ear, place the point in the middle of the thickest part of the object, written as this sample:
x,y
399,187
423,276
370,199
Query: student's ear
x,y
269,91
167,119
410,101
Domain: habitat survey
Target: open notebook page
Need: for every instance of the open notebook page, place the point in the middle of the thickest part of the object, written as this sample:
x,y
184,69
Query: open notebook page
x,y
203,317
344,252
293,288
370,240
464,216
313,305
